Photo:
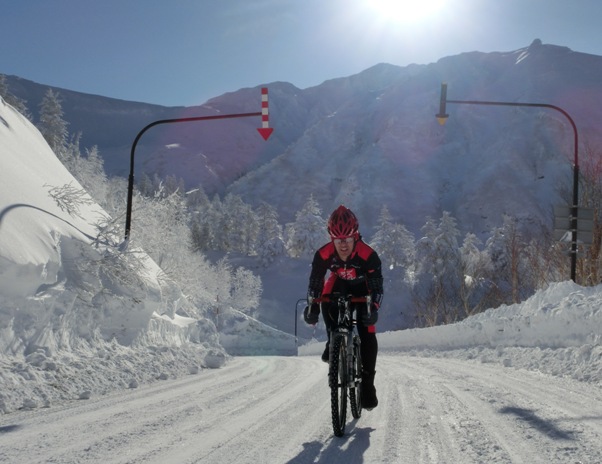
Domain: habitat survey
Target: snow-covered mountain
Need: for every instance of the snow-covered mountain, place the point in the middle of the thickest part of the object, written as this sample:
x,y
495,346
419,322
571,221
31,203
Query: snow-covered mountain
x,y
372,138
377,141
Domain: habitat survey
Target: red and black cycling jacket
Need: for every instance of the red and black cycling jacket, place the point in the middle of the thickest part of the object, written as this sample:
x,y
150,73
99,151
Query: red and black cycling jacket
x,y
363,261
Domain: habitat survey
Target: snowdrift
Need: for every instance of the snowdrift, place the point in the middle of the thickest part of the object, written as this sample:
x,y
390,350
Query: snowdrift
x,y
55,274
557,331
77,315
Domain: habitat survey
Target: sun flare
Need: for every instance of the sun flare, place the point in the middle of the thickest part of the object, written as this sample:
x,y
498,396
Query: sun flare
x,y
405,11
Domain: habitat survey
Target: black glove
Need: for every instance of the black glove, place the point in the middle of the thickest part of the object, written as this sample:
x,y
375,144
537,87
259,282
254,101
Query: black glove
x,y
373,317
311,313
315,290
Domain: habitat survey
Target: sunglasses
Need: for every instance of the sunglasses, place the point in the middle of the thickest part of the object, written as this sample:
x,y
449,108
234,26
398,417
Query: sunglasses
x,y
340,241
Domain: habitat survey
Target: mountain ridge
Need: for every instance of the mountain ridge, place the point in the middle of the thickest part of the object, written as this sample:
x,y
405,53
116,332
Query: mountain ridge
x,y
372,139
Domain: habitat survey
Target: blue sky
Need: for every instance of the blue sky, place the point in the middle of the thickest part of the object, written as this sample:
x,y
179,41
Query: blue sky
x,y
183,52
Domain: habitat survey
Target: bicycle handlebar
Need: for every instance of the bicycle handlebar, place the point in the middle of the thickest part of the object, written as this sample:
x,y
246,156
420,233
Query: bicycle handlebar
x,y
347,298
351,299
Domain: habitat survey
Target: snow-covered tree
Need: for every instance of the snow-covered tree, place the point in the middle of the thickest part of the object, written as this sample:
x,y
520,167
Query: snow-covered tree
x,y
477,290
238,226
223,272
504,248
393,242
17,103
199,232
213,219
197,199
172,184
116,198
437,293
446,243
88,169
270,244
246,291
52,125
470,255
160,226
308,232
148,186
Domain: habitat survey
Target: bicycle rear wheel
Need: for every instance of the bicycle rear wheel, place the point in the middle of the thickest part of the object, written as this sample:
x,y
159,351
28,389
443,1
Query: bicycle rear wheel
x,y
338,385
355,389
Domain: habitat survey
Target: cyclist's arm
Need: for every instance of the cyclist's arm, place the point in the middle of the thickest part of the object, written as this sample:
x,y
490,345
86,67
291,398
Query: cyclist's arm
x,y
375,278
316,277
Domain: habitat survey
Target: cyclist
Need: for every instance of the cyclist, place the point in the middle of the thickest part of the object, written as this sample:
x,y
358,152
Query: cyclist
x,y
349,260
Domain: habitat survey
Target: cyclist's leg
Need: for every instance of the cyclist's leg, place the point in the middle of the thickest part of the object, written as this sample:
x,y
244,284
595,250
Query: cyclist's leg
x,y
328,323
369,352
369,347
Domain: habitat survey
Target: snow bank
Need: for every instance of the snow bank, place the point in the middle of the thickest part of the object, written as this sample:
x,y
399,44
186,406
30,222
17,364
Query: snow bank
x,y
78,317
564,315
242,335
557,331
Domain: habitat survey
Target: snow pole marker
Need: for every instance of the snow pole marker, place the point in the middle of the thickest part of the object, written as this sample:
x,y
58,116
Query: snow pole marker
x,y
265,129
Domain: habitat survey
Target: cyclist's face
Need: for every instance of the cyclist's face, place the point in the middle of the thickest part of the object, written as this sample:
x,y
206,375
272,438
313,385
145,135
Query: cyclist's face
x,y
344,246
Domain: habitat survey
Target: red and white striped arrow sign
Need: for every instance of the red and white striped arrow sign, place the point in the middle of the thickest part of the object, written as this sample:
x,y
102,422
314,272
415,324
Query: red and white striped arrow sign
x,y
265,129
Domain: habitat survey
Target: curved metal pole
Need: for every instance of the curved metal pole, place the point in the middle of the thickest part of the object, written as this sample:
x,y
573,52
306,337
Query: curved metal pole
x,y
296,308
574,210
128,213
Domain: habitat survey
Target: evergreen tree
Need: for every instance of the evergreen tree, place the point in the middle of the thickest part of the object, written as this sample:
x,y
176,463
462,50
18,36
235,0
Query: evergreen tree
x,y
437,296
144,185
12,100
270,244
213,220
52,125
425,248
173,185
496,249
239,225
393,242
308,232
89,171
199,234
447,247
503,249
250,225
197,199
473,260
477,290
199,205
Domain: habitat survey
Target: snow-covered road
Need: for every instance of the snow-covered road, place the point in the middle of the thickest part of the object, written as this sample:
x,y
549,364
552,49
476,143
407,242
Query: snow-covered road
x,y
277,410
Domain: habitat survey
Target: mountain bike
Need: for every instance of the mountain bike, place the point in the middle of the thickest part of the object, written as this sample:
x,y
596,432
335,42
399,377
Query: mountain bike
x,y
345,360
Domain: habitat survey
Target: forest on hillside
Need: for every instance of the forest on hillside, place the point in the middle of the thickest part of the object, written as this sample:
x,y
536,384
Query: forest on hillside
x,y
448,276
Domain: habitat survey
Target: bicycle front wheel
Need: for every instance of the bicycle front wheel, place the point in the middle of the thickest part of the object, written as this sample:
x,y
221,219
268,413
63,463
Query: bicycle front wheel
x,y
338,385
355,392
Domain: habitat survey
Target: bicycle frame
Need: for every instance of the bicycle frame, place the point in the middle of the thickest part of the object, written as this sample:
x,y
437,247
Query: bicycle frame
x,y
346,324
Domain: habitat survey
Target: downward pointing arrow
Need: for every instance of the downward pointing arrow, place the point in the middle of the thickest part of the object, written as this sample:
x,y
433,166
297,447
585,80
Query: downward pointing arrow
x,y
265,132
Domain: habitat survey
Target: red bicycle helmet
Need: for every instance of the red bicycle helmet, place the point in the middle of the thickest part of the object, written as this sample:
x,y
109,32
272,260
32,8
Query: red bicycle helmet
x,y
342,223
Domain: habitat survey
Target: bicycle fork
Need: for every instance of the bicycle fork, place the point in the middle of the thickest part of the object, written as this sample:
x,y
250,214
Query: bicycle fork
x,y
353,378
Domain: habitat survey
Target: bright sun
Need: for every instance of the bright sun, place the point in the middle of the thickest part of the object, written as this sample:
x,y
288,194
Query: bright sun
x,y
405,11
